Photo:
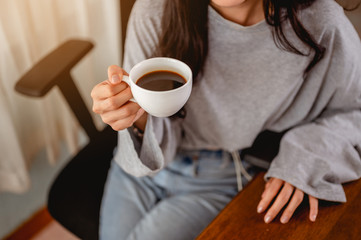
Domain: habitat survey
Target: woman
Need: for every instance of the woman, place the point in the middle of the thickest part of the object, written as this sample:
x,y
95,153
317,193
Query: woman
x,y
259,65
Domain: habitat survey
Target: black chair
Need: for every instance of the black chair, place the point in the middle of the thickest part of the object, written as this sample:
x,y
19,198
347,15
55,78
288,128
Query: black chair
x,y
75,195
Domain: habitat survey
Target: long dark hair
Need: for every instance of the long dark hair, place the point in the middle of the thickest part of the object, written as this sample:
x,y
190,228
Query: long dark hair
x,y
278,11
185,33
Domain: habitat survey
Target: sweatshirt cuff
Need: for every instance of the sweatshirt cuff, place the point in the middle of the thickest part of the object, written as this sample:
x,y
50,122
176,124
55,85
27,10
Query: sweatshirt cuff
x,y
139,159
325,191
306,171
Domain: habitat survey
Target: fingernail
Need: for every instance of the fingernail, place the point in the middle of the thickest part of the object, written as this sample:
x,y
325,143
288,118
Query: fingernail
x,y
267,219
313,217
284,219
259,209
115,78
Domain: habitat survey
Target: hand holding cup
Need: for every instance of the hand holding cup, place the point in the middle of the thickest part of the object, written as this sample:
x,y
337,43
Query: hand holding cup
x,y
111,101
160,86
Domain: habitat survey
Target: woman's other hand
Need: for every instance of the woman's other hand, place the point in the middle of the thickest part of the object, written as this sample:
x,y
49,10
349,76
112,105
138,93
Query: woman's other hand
x,y
284,194
111,101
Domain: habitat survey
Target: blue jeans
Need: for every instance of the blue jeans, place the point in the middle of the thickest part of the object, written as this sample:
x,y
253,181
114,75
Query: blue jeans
x,y
177,203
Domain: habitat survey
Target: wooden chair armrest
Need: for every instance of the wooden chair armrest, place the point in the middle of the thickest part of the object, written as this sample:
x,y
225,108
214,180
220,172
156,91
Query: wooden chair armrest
x,y
54,70
47,72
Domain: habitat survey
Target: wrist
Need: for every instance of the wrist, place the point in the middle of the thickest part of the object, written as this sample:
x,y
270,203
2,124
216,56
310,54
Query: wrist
x,y
141,122
139,133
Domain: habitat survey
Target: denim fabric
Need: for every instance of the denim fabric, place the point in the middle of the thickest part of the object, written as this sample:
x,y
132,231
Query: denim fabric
x,y
177,203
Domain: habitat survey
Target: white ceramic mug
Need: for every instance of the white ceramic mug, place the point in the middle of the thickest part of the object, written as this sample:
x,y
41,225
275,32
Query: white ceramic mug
x,y
160,103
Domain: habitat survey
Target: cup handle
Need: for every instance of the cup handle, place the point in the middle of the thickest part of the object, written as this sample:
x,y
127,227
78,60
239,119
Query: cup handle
x,y
127,81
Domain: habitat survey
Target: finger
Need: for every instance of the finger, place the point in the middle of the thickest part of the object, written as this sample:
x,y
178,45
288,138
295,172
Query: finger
x,y
292,206
123,123
266,186
105,90
112,103
269,193
140,112
124,112
281,200
269,182
313,208
115,74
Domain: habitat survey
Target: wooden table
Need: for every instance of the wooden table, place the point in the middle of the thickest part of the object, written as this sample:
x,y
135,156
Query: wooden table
x,y
239,219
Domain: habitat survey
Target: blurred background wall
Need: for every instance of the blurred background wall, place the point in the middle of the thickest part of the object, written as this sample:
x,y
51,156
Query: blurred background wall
x,y
28,31
354,15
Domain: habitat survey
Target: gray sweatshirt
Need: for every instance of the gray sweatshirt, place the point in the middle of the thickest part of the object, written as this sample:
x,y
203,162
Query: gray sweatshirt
x,y
249,85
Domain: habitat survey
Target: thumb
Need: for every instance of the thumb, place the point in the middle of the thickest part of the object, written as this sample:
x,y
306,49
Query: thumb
x,y
115,74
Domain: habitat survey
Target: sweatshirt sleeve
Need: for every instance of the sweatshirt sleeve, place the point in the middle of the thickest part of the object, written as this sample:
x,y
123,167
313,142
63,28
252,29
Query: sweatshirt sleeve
x,y
322,154
162,135
158,148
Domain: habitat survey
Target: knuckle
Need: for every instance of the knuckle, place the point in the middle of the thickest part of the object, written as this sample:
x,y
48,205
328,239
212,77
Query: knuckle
x,y
267,196
94,94
125,112
125,86
95,109
104,118
129,124
283,198
115,128
110,91
128,90
118,126
96,90
299,199
111,103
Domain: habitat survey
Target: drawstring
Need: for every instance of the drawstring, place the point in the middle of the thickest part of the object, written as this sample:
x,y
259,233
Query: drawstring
x,y
195,165
239,169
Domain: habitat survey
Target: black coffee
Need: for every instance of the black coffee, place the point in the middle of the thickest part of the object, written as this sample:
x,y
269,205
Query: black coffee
x,y
161,81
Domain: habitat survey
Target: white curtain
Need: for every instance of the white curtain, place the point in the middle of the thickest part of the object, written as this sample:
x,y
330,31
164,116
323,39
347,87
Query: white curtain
x,y
29,29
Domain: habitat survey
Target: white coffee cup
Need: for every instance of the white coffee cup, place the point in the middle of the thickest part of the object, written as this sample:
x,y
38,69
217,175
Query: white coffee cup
x,y
160,103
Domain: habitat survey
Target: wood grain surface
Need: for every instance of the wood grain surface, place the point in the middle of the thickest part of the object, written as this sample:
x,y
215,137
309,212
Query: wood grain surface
x,y
239,219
